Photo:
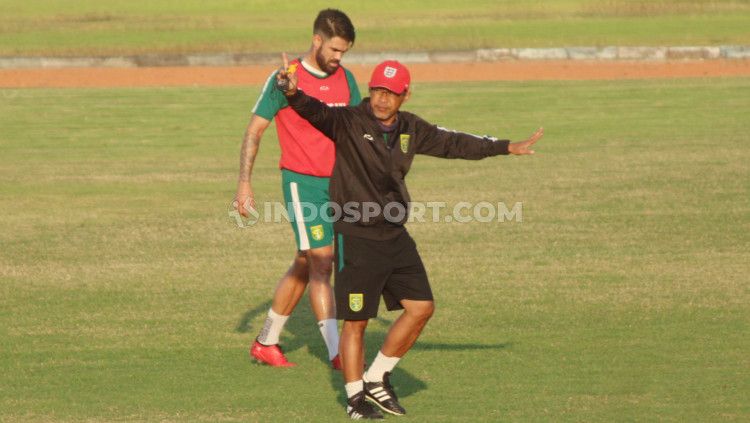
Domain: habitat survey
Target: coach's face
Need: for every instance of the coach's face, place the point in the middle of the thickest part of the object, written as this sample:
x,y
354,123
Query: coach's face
x,y
385,103
329,51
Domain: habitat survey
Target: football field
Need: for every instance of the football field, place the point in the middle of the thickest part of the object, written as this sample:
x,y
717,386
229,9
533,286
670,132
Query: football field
x,y
116,27
127,292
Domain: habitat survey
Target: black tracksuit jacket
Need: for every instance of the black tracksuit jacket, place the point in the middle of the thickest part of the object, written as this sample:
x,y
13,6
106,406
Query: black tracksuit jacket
x,y
371,169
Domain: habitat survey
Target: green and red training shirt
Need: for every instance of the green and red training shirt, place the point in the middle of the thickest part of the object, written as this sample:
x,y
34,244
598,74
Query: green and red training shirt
x,y
304,149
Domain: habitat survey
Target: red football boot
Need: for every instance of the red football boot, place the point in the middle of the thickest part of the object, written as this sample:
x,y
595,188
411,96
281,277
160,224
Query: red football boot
x,y
269,354
336,363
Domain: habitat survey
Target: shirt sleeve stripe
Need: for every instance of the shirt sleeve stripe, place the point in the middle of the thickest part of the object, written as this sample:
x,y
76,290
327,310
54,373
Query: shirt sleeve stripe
x,y
466,133
266,86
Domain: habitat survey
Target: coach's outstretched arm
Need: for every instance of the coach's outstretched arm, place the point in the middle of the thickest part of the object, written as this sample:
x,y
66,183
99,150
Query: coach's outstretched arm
x,y
524,147
435,141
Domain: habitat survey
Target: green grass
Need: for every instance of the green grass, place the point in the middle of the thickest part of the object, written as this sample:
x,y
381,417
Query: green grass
x,y
127,293
52,27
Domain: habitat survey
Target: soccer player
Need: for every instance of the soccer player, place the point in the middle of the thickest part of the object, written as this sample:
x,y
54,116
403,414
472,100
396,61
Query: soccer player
x,y
307,158
375,256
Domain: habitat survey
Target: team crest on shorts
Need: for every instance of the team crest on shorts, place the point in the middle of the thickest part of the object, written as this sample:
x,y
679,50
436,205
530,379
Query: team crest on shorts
x,y
356,301
317,232
405,143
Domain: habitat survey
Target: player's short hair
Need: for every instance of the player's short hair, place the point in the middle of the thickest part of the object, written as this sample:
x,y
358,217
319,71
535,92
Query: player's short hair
x,y
334,23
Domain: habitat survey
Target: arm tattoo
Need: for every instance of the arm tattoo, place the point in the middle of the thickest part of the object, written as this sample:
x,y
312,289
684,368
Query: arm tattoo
x,y
247,155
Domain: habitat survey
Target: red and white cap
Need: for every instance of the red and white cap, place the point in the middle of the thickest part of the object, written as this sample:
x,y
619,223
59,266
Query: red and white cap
x,y
392,76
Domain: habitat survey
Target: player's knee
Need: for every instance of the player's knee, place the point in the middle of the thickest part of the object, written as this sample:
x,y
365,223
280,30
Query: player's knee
x,y
299,269
323,268
321,262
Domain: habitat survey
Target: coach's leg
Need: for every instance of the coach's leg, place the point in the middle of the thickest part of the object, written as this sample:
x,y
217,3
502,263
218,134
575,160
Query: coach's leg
x,y
353,360
402,335
400,338
406,329
321,298
352,349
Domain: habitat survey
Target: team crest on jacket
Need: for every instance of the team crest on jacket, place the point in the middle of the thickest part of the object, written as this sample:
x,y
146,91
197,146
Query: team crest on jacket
x,y
405,143
356,301
317,232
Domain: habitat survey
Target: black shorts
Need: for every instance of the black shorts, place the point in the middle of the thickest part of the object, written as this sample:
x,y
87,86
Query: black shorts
x,y
366,269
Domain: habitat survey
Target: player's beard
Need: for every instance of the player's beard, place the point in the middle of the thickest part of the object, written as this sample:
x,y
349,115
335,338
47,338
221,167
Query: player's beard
x,y
325,66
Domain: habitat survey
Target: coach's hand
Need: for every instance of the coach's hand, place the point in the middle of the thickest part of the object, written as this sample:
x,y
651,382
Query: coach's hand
x,y
524,147
286,78
244,201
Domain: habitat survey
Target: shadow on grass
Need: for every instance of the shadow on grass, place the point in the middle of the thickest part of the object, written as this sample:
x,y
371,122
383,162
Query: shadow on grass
x,y
302,332
427,346
305,334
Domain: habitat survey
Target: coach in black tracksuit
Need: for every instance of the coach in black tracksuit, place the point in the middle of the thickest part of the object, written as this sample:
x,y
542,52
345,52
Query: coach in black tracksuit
x,y
375,146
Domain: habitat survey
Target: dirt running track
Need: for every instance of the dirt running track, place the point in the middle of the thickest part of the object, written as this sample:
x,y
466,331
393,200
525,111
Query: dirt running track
x,y
255,75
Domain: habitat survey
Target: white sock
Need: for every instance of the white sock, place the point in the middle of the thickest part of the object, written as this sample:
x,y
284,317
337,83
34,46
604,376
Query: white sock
x,y
379,366
330,332
353,388
272,328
